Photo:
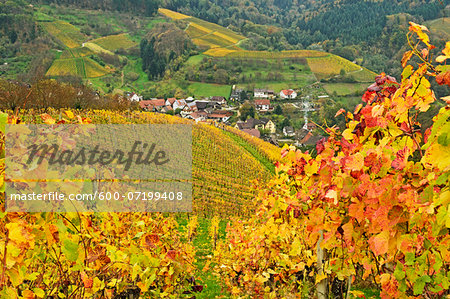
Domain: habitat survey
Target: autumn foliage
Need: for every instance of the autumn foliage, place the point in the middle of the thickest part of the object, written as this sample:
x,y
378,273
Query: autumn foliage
x,y
378,191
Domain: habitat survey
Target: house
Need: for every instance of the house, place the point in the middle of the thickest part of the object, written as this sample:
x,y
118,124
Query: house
x,y
192,106
288,94
201,106
262,105
152,105
189,99
310,139
197,116
309,126
220,115
263,93
166,109
259,124
170,101
254,132
300,134
134,97
323,97
219,100
288,131
236,95
179,104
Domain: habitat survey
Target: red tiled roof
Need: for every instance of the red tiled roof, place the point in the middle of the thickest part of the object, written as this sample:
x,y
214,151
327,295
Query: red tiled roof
x,y
287,92
158,102
171,100
144,104
262,102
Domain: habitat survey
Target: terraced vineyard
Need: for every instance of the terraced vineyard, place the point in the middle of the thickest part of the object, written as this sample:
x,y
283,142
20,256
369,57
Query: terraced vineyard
x,y
205,34
74,59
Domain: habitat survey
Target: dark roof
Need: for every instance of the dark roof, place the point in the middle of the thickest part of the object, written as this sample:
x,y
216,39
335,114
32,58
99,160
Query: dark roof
x,y
201,105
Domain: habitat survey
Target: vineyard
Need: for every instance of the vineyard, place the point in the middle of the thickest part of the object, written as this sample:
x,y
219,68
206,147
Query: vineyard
x,y
83,67
172,14
369,207
205,34
222,170
331,65
114,42
67,34
76,53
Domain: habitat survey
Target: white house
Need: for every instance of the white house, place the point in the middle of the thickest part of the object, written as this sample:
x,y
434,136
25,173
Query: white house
x,y
263,93
288,94
179,104
262,105
134,97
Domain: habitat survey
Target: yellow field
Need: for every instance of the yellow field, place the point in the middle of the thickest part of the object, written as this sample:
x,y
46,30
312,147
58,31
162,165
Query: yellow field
x,y
114,42
82,67
331,65
219,52
69,35
172,14
204,43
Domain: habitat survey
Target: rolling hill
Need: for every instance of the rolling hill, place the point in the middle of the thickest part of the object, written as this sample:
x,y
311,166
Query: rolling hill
x,y
220,42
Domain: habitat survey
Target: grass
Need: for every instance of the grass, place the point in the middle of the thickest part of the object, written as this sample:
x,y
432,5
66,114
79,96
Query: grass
x,y
203,243
344,89
199,89
196,59
114,42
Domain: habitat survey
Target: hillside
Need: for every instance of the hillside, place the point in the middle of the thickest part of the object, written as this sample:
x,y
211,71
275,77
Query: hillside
x,y
225,162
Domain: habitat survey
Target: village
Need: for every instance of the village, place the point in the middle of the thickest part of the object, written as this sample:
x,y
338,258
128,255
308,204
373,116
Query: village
x,y
254,112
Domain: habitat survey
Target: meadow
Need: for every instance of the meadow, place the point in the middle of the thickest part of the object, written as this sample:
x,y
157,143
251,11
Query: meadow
x,y
200,89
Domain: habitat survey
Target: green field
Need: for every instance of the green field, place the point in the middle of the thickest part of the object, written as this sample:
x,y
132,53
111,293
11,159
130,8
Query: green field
x,y
207,90
344,89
